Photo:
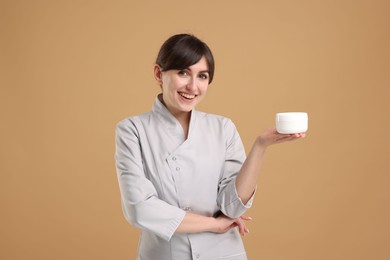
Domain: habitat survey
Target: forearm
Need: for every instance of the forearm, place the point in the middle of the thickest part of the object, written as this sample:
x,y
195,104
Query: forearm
x,y
247,178
194,223
250,170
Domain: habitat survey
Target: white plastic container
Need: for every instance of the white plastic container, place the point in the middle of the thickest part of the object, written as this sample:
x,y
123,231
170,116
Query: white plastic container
x,y
291,122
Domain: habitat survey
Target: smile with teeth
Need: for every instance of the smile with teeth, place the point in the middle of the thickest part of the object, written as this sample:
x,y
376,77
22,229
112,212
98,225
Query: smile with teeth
x,y
187,96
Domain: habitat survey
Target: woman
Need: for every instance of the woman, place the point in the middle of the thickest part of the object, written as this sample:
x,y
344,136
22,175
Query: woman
x,y
183,176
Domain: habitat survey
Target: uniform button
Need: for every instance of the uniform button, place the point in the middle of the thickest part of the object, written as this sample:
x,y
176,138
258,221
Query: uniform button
x,y
177,168
197,255
187,208
174,158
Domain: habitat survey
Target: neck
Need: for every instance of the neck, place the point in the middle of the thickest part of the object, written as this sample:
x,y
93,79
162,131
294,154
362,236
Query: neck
x,y
182,117
184,120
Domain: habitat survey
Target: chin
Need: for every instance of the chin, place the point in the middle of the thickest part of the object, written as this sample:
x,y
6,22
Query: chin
x,y
187,109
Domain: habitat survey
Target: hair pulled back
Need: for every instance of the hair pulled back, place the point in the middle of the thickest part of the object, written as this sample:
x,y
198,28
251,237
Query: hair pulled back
x,y
181,51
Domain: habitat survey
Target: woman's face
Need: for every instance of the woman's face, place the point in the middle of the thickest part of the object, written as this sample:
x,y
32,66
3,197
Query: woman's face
x,y
183,89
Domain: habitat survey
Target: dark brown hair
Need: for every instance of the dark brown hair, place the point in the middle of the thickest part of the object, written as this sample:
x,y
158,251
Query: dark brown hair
x,y
181,51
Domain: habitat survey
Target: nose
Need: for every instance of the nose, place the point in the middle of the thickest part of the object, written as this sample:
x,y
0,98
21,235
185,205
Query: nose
x,y
191,84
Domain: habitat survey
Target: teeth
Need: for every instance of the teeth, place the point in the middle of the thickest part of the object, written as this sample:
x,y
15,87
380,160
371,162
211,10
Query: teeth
x,y
187,95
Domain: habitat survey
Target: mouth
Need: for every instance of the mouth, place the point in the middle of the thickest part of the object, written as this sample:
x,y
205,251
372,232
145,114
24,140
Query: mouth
x,y
187,96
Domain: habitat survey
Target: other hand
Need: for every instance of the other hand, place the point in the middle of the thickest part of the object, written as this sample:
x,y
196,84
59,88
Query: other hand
x,y
271,136
225,223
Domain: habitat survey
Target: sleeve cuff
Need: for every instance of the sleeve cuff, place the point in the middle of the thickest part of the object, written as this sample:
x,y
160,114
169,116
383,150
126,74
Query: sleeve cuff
x,y
233,206
175,224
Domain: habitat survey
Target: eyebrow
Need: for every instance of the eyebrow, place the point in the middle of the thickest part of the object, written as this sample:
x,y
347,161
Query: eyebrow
x,y
202,71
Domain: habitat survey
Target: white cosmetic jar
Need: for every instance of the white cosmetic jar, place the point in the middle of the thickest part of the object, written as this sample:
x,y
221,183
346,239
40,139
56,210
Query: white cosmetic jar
x,y
291,122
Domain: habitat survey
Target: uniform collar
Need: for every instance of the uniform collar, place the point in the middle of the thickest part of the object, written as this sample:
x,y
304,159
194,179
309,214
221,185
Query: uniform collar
x,y
169,120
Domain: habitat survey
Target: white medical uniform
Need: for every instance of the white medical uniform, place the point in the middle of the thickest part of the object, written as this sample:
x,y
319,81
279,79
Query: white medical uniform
x,y
162,175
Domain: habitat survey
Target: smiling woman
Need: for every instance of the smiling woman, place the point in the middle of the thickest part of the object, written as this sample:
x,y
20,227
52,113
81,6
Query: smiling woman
x,y
184,68
183,89
184,177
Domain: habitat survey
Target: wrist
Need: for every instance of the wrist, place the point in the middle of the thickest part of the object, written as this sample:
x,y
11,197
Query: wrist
x,y
260,144
194,223
212,225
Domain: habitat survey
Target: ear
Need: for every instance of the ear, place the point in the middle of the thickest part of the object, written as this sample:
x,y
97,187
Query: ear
x,y
157,73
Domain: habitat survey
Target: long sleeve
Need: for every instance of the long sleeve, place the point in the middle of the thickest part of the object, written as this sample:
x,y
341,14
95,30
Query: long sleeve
x,y
228,200
141,205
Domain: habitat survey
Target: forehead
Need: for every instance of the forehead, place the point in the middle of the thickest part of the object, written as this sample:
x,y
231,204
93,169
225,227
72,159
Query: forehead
x,y
201,65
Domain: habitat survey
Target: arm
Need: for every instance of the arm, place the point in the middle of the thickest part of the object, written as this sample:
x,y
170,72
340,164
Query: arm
x,y
228,200
249,173
193,223
140,202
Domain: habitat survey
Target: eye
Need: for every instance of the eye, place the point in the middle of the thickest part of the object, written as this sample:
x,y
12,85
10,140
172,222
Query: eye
x,y
183,73
203,76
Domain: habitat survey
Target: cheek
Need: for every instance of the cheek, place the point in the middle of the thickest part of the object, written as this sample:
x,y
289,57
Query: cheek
x,y
203,88
175,83
167,85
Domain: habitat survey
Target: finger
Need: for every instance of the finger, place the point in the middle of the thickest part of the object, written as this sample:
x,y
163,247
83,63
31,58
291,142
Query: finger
x,y
284,138
241,226
243,229
233,225
290,137
247,218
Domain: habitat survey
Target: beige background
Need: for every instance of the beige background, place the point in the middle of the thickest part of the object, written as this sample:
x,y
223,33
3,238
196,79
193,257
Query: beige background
x,y
70,70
